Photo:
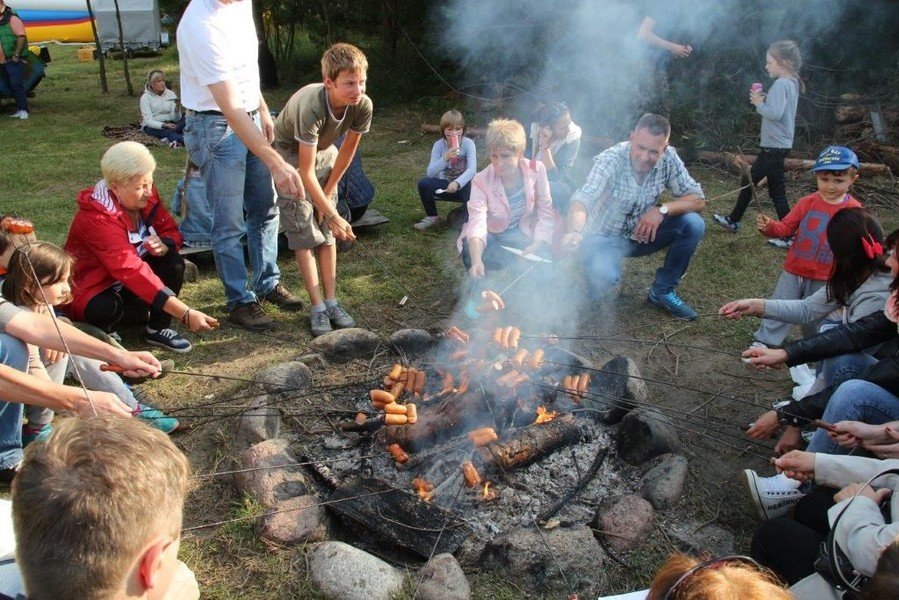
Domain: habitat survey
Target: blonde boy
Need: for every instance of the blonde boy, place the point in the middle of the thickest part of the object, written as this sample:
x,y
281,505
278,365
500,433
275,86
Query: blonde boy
x,y
97,512
305,131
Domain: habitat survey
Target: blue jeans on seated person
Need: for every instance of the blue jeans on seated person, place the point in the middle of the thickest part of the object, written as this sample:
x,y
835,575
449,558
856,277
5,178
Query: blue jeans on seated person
x,y
13,354
427,186
855,400
237,182
169,135
602,254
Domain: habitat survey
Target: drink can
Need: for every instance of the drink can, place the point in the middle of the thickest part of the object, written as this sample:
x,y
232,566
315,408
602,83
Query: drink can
x,y
756,88
454,141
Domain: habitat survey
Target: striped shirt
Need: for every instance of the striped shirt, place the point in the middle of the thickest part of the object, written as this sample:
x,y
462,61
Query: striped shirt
x,y
614,199
516,206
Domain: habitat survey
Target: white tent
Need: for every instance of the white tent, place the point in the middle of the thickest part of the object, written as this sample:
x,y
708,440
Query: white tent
x,y
141,28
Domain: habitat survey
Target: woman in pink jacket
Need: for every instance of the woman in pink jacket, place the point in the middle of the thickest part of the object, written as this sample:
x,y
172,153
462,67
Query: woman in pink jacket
x,y
510,204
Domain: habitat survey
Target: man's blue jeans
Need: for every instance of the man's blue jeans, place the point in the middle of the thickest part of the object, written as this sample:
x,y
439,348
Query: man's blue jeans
x,y
237,184
855,400
13,354
602,254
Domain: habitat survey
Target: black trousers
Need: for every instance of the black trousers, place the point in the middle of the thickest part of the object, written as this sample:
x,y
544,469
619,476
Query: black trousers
x,y
770,164
789,546
113,307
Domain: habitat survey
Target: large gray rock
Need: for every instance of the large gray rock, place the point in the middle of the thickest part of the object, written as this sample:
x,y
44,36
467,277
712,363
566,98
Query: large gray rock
x,y
342,572
663,484
624,522
286,379
343,345
645,433
294,521
259,422
522,555
410,342
442,579
618,389
275,477
700,539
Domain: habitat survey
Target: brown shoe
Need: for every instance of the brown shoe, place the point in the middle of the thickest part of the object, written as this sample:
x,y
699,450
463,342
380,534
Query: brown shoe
x,y
251,316
282,297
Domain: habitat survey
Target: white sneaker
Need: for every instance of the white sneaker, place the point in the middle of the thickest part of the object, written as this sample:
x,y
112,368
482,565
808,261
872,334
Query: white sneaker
x,y
781,242
773,496
427,223
22,114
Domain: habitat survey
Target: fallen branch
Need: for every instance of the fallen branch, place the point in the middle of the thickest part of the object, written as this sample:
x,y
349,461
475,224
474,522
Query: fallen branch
x,y
791,164
543,517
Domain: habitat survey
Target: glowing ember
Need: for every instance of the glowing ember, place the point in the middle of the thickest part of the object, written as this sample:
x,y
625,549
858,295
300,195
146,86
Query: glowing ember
x,y
545,416
423,488
488,493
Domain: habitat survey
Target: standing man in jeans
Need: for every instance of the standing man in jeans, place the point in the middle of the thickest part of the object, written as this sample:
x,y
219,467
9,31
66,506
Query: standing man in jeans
x,y
228,133
617,214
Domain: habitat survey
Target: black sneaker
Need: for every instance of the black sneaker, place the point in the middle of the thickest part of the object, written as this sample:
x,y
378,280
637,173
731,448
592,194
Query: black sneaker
x,y
168,339
283,298
251,316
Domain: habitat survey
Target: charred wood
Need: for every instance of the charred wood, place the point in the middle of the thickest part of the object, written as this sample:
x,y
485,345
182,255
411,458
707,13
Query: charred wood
x,y
523,446
573,492
436,424
397,518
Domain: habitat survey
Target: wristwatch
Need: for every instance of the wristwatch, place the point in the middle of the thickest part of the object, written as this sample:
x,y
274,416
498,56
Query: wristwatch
x,y
782,418
663,210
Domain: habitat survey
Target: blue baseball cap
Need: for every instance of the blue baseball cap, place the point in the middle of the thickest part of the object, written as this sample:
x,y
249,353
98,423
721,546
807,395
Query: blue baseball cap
x,y
835,158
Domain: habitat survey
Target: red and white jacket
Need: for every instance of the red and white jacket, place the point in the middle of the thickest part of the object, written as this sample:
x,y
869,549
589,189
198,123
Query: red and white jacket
x,y
104,255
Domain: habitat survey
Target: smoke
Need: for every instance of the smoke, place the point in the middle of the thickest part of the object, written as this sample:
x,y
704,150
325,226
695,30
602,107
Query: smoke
x,y
586,52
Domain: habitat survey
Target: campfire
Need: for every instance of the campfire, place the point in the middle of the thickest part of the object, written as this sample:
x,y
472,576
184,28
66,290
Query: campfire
x,y
462,440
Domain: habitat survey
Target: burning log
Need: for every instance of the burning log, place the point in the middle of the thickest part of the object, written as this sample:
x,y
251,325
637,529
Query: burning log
x,y
441,422
525,445
397,517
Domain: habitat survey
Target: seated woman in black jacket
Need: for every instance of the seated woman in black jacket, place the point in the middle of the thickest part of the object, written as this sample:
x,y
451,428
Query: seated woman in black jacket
x,y
871,398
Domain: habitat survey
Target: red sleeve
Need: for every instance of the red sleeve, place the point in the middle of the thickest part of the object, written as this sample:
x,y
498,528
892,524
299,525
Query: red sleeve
x,y
164,224
790,223
108,243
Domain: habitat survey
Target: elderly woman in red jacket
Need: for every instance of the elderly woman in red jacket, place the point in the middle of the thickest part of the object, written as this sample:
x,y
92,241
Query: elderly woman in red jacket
x,y
125,245
510,203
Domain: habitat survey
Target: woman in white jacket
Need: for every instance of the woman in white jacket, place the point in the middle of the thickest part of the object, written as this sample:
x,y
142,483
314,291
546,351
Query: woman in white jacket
x,y
159,111
862,532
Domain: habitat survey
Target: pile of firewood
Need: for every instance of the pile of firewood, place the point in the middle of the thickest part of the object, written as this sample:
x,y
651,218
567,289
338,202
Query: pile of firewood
x,y
869,129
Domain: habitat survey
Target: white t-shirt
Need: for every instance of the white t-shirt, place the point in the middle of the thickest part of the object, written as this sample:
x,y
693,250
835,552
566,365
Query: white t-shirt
x,y
217,42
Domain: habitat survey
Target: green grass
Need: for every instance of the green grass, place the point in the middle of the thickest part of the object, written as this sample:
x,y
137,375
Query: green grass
x,y
49,158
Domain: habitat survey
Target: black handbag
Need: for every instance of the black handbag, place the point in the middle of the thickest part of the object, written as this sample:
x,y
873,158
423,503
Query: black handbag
x,y
832,563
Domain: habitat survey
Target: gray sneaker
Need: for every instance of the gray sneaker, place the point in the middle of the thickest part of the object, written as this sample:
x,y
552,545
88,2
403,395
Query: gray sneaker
x,y
321,324
340,318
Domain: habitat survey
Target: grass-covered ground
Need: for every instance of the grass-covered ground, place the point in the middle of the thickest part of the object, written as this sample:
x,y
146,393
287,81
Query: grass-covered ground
x,y
48,158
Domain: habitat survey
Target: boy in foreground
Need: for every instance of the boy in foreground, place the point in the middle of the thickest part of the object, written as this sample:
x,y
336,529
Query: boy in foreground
x,y
305,131
97,512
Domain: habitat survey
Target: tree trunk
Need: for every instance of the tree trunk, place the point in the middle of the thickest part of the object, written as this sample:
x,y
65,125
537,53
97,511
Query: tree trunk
x,y
790,164
103,84
118,18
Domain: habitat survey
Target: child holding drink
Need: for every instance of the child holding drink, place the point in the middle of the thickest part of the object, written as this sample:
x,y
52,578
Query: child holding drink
x,y
778,110
454,163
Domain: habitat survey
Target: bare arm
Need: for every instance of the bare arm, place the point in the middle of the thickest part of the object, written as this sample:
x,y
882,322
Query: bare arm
x,y
23,388
577,219
344,157
37,329
286,178
337,224
647,35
